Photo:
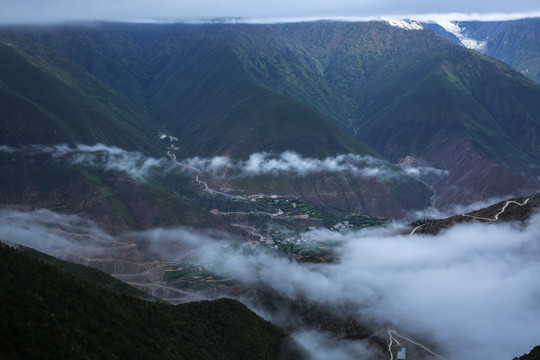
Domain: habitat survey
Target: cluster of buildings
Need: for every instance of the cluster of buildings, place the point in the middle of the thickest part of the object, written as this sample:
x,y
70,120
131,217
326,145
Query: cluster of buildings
x,y
342,225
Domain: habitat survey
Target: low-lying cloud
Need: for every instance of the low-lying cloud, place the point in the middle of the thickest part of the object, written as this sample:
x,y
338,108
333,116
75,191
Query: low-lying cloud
x,y
98,156
140,167
51,232
320,346
290,162
425,170
473,288
458,209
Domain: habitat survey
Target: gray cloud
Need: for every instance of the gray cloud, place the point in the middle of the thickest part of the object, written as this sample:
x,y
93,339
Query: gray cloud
x,y
263,10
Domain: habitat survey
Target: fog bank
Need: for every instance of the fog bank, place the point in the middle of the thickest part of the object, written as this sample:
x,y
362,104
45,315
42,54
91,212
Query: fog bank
x,y
472,291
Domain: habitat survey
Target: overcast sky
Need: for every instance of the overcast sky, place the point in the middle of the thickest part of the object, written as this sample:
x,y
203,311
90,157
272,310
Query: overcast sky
x,y
17,11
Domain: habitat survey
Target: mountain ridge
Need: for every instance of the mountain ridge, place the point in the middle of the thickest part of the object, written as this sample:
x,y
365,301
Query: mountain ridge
x,y
511,210
237,89
53,314
196,88
511,41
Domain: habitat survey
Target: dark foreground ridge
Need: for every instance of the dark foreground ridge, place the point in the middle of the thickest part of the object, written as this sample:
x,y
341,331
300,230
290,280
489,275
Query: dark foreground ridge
x,y
533,355
46,313
516,209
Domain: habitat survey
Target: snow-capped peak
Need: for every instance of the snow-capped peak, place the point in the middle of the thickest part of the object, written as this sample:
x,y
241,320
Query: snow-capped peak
x,y
405,24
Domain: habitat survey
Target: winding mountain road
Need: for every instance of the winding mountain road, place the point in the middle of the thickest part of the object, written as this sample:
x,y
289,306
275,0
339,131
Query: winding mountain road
x,y
416,228
496,217
198,173
253,230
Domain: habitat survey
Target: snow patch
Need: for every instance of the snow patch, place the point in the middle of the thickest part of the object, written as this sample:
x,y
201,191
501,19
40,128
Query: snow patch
x,y
454,29
405,24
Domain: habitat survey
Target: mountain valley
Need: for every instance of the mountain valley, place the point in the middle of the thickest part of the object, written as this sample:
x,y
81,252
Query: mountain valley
x,y
237,90
310,170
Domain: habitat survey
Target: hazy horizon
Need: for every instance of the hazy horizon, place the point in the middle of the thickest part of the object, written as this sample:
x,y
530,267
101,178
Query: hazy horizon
x,y
54,11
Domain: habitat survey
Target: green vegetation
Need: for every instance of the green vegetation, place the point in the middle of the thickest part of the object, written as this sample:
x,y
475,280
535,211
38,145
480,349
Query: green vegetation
x,y
194,277
237,89
437,100
120,84
330,66
294,206
88,274
198,86
48,100
515,43
249,119
298,207
46,313
303,247
306,251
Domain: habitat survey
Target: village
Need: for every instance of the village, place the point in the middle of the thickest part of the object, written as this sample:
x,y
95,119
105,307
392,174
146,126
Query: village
x,y
291,212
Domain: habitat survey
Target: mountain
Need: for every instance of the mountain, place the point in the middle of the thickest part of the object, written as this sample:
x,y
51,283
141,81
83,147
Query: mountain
x,y
410,93
191,82
512,210
48,100
42,92
312,88
534,354
262,131
51,314
518,46
464,113
513,42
